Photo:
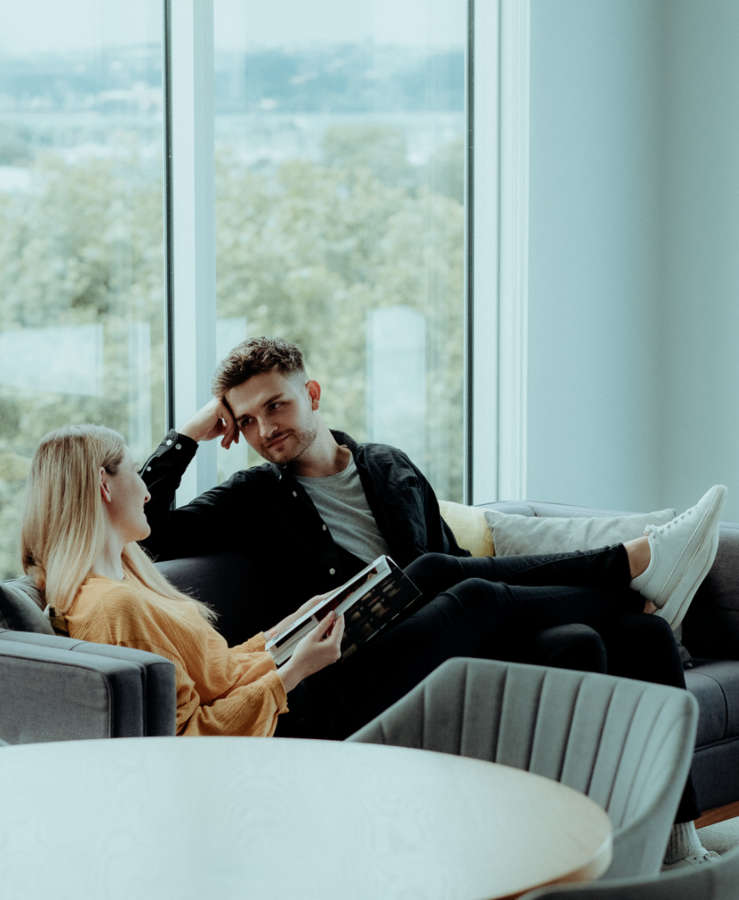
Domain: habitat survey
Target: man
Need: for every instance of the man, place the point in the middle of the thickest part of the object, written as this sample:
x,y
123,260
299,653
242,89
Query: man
x,y
313,515
318,510
322,506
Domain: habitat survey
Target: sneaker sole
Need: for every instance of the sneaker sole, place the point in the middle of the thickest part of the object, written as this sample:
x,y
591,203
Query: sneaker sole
x,y
678,596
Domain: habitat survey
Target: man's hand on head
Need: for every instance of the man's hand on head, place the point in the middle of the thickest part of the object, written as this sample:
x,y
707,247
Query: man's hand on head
x,y
214,420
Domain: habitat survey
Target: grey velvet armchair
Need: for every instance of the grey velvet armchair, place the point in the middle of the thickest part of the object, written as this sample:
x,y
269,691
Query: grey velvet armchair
x,y
715,881
626,744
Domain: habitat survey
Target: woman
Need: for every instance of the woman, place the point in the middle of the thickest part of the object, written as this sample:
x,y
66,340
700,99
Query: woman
x,y
85,513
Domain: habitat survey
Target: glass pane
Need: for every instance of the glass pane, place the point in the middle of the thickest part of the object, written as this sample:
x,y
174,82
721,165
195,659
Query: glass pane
x,y
81,250
340,135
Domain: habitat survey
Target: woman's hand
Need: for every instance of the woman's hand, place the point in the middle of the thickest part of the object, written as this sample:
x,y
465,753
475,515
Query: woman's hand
x,y
293,617
318,649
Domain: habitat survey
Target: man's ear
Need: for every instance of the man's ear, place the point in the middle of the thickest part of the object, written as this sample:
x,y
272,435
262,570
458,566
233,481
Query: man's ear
x,y
104,486
314,392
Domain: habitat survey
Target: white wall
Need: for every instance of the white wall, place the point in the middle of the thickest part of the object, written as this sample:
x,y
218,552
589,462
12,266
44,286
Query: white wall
x,y
699,311
594,253
634,251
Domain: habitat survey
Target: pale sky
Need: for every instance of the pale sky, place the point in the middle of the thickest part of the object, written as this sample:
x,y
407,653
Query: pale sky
x,y
39,25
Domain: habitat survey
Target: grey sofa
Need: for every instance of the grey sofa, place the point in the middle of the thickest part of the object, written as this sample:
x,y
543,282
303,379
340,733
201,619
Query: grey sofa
x,y
710,635
53,688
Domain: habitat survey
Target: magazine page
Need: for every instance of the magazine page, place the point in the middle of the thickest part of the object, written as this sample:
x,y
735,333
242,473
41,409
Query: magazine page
x,y
341,597
370,602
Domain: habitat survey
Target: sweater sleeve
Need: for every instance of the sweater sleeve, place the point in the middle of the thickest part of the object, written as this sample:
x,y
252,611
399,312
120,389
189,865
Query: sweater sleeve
x,y
256,643
247,709
243,692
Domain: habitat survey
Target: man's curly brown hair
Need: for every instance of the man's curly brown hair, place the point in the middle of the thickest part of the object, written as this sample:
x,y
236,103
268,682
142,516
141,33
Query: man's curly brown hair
x,y
254,357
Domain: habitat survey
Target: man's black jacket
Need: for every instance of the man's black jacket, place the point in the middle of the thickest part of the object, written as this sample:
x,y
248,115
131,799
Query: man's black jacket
x,y
265,514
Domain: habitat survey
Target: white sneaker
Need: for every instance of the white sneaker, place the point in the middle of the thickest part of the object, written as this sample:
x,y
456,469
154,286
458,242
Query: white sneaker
x,y
697,859
682,552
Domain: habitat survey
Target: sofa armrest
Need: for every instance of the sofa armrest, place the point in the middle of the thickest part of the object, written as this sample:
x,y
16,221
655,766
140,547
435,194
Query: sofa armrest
x,y
56,688
711,626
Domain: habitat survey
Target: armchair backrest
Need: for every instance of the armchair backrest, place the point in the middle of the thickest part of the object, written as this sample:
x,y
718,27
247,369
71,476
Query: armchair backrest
x,y
712,881
625,743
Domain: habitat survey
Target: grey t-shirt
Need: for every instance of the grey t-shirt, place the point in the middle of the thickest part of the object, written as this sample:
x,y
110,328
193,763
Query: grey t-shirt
x,y
342,504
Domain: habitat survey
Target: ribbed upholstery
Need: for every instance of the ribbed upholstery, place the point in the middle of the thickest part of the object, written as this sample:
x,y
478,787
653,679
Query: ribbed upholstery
x,y
626,744
712,881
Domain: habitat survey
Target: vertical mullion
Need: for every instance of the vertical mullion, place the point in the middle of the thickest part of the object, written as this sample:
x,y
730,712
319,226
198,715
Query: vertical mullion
x,y
168,220
469,294
192,226
484,277
513,240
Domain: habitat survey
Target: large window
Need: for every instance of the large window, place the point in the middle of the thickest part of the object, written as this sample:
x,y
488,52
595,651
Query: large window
x,y
81,259
340,216
338,166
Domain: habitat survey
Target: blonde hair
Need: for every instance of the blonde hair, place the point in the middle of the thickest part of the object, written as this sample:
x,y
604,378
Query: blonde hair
x,y
64,521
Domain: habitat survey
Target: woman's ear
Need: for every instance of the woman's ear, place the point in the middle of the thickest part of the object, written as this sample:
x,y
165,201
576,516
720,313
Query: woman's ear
x,y
104,486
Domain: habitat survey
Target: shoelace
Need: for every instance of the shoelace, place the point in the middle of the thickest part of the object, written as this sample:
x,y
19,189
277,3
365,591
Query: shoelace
x,y
650,529
705,857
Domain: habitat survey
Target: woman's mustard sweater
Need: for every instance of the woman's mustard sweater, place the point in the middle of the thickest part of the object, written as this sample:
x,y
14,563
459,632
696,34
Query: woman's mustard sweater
x,y
220,689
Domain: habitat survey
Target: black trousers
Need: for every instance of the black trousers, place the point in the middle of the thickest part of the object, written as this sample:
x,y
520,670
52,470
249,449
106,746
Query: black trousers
x,y
514,608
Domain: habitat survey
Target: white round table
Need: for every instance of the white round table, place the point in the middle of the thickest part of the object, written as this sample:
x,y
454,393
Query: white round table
x,y
252,817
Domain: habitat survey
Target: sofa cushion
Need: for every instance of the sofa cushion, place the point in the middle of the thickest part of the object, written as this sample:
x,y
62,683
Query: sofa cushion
x,y
711,626
515,534
21,607
554,522
715,685
231,585
470,527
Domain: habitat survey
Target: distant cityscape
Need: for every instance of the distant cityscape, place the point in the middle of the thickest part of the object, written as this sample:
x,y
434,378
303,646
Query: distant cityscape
x,y
82,132
270,105
346,78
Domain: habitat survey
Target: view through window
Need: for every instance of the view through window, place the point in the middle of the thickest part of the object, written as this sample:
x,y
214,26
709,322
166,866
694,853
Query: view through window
x,y
81,249
339,176
340,165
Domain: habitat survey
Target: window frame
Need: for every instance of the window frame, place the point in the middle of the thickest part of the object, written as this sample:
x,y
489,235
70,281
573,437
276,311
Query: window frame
x,y
496,287
190,223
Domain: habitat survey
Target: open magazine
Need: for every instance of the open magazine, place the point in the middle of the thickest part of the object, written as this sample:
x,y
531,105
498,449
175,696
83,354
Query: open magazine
x,y
369,601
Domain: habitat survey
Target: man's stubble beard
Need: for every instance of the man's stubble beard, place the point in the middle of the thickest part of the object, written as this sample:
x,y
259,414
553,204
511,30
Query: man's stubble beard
x,y
304,438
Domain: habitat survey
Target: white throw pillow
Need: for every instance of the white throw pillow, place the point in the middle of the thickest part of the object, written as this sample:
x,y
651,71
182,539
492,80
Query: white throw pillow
x,y
514,535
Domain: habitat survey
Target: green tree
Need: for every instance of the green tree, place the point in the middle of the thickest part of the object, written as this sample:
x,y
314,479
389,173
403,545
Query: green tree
x,y
306,250
82,247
